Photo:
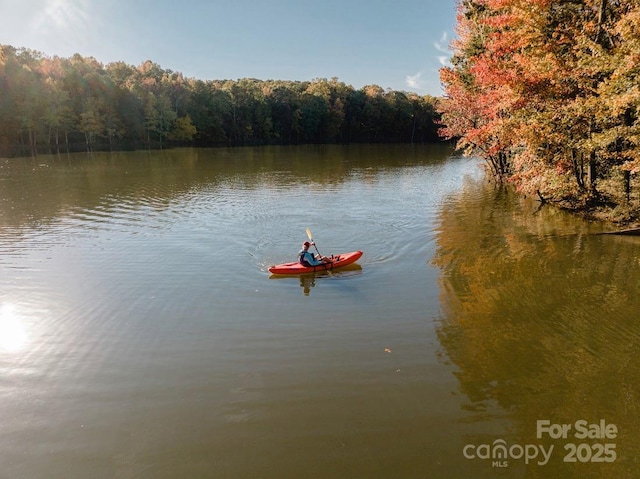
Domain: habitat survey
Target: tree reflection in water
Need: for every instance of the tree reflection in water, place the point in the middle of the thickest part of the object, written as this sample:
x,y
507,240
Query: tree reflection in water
x,y
540,315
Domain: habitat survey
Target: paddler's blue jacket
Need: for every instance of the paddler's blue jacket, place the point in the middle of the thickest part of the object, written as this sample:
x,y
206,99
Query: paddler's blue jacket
x,y
307,259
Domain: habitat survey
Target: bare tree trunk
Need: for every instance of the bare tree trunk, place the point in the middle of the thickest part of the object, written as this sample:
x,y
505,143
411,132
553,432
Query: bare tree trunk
x,y
592,174
627,184
601,17
578,168
32,142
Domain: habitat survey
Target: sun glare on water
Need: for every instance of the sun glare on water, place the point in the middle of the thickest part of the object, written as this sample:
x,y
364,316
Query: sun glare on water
x,y
12,333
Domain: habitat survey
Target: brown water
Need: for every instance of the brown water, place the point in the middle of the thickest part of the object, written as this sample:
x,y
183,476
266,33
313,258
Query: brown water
x,y
141,335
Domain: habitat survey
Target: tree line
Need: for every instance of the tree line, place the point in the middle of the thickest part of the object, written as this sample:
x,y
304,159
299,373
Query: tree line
x,y
53,104
548,93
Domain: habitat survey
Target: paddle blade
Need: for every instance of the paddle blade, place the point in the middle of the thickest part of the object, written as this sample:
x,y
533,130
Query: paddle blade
x,y
309,234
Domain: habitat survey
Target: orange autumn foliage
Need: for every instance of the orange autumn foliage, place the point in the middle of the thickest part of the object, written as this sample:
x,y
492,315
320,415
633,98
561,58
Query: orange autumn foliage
x,y
548,93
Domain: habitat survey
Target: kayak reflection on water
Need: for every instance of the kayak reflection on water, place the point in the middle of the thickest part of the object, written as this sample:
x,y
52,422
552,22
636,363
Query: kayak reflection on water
x,y
308,280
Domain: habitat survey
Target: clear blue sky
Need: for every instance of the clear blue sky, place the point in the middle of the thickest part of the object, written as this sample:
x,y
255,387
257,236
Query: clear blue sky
x,y
397,44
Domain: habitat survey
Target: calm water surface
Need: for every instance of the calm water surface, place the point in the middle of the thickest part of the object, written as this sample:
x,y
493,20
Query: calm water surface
x,y
141,335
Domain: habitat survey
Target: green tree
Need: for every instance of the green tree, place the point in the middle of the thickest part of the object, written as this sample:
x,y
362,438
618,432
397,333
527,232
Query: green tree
x,y
91,122
119,105
183,130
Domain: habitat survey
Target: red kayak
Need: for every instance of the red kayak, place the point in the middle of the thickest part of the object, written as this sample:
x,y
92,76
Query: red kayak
x,y
337,261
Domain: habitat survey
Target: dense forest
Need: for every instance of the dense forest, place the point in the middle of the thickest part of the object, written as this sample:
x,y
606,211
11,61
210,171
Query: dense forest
x,y
548,92
62,104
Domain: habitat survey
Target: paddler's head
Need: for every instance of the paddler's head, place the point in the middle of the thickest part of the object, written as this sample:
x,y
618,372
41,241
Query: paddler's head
x,y
306,245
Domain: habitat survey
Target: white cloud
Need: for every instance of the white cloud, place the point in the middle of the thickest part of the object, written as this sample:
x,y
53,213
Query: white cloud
x,y
60,23
415,81
61,14
442,45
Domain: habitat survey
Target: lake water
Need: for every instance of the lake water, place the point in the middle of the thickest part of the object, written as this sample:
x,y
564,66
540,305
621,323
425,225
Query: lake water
x,y
141,335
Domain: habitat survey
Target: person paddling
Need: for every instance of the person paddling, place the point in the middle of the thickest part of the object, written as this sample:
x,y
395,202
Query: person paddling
x,y
309,259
